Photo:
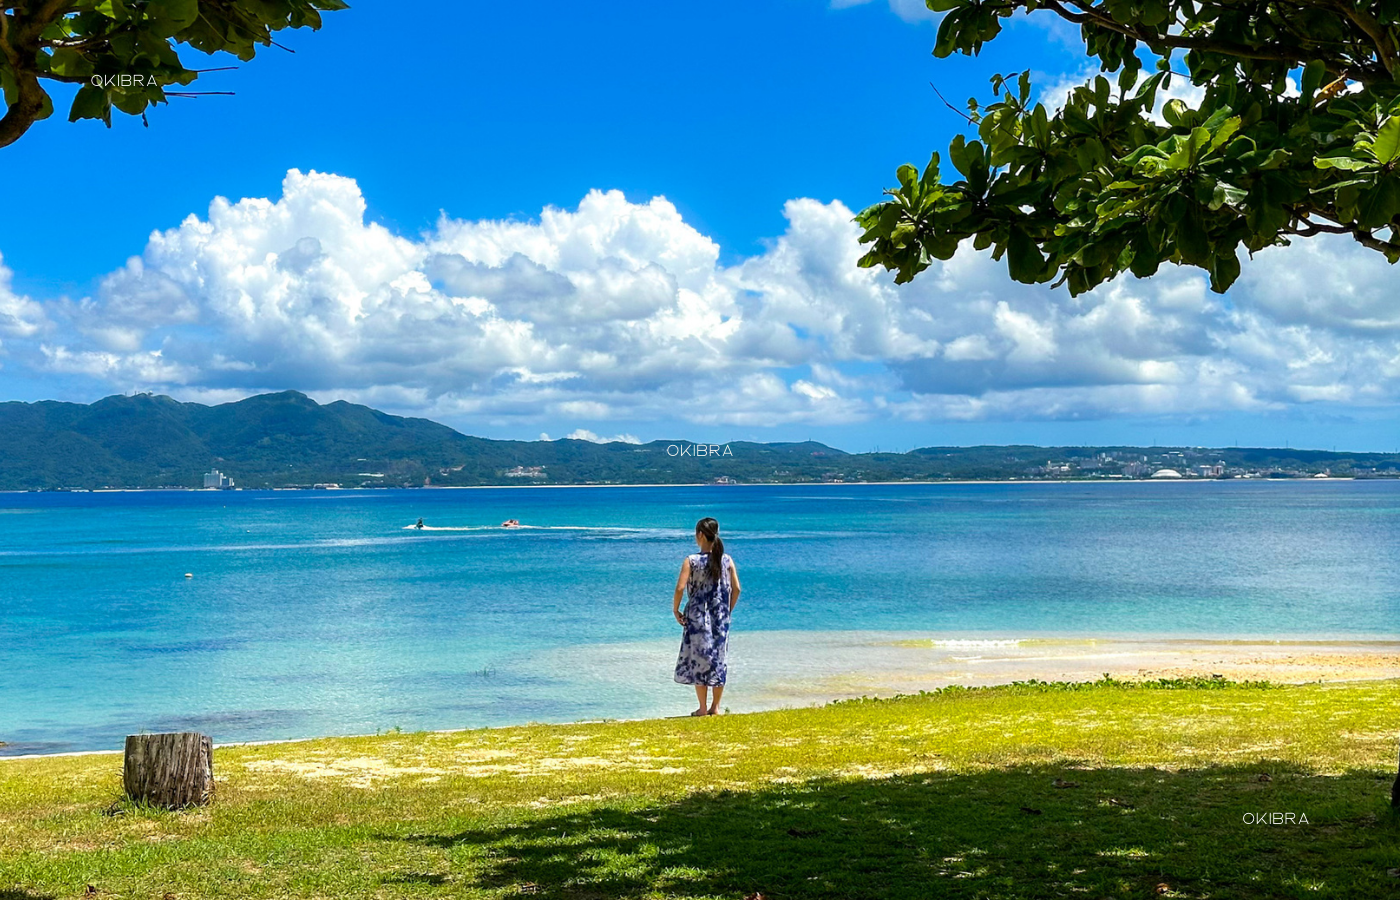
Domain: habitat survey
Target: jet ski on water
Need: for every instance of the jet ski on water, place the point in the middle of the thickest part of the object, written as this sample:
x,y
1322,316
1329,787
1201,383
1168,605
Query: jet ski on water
x,y
420,525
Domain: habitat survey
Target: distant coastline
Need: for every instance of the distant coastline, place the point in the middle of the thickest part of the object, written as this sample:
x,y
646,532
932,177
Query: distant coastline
x,y
287,441
834,484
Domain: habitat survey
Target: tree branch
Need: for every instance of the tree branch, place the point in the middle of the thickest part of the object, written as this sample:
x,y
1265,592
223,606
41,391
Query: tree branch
x,y
1371,242
1363,236
969,119
1095,16
33,22
1315,229
1378,33
26,109
20,35
5,49
1177,42
93,41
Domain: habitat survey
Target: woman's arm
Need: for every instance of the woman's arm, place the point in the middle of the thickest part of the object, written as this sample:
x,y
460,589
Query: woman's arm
x,y
681,582
733,585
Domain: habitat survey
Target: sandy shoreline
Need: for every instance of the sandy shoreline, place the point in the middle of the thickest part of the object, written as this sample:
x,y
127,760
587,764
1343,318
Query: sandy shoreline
x,y
783,669
773,669
882,664
776,669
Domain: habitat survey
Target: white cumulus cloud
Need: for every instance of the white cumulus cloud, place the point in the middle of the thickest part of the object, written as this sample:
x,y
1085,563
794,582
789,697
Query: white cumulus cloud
x,y
908,10
20,317
583,434
617,311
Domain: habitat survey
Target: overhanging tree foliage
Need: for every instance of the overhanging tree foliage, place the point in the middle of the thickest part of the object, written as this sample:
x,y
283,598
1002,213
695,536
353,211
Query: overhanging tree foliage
x,y
123,52
1298,134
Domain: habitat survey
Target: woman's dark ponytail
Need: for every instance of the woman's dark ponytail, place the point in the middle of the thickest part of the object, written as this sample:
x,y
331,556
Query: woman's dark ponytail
x,y
710,529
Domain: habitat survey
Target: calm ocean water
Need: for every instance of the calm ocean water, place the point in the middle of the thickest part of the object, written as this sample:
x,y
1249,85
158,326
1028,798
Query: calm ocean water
x,y
320,613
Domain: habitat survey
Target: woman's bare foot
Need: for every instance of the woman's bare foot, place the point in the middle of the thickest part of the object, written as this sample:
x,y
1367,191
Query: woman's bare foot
x,y
713,712
699,712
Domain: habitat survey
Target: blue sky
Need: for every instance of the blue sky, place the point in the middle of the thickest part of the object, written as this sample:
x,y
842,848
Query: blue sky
x,y
490,110
695,277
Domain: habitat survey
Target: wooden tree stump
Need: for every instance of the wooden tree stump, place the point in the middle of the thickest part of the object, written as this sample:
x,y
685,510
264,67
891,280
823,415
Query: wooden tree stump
x,y
169,770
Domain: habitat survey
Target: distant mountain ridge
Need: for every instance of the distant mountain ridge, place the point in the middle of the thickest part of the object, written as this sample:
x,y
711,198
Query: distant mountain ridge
x,y
288,440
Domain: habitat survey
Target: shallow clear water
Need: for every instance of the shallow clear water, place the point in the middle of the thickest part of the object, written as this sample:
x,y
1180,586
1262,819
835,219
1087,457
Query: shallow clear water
x,y
320,613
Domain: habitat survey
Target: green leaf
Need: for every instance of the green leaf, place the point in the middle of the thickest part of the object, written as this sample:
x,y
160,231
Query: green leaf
x,y
1191,238
1102,91
1147,93
1154,12
1128,77
45,106
1142,153
1312,80
943,247
1023,258
90,103
1224,269
929,181
958,155
114,9
1040,123
1378,205
133,103
949,33
1386,147
173,16
1090,154
908,178
70,63
1223,131
1343,159
1226,194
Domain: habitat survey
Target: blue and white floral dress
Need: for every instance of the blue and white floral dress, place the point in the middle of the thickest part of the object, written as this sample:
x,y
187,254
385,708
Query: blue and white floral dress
x,y
706,624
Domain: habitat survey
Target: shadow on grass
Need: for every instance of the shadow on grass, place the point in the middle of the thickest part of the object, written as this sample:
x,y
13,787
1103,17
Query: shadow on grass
x,y
1007,833
24,895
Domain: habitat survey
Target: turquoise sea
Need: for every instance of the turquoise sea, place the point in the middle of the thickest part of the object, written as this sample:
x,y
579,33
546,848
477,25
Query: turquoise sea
x,y
320,612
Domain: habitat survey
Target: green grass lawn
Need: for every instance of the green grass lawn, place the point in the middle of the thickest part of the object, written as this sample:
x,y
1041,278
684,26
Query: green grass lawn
x,y
950,794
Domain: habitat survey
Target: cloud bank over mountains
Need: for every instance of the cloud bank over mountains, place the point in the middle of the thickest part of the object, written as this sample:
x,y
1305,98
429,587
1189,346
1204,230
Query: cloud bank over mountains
x,y
622,311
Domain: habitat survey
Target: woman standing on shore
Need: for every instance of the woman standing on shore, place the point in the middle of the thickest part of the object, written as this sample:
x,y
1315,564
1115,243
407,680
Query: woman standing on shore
x,y
713,584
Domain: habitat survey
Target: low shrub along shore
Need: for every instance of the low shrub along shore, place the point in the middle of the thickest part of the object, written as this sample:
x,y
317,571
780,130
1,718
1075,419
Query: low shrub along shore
x,y
1032,790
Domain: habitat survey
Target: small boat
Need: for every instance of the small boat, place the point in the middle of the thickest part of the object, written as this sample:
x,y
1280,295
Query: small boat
x,y
511,523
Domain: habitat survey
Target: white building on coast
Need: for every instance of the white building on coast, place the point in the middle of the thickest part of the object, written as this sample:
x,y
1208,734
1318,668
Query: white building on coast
x,y
216,480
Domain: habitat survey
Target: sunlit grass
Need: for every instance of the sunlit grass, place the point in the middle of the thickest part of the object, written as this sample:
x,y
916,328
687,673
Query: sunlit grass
x,y
949,794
